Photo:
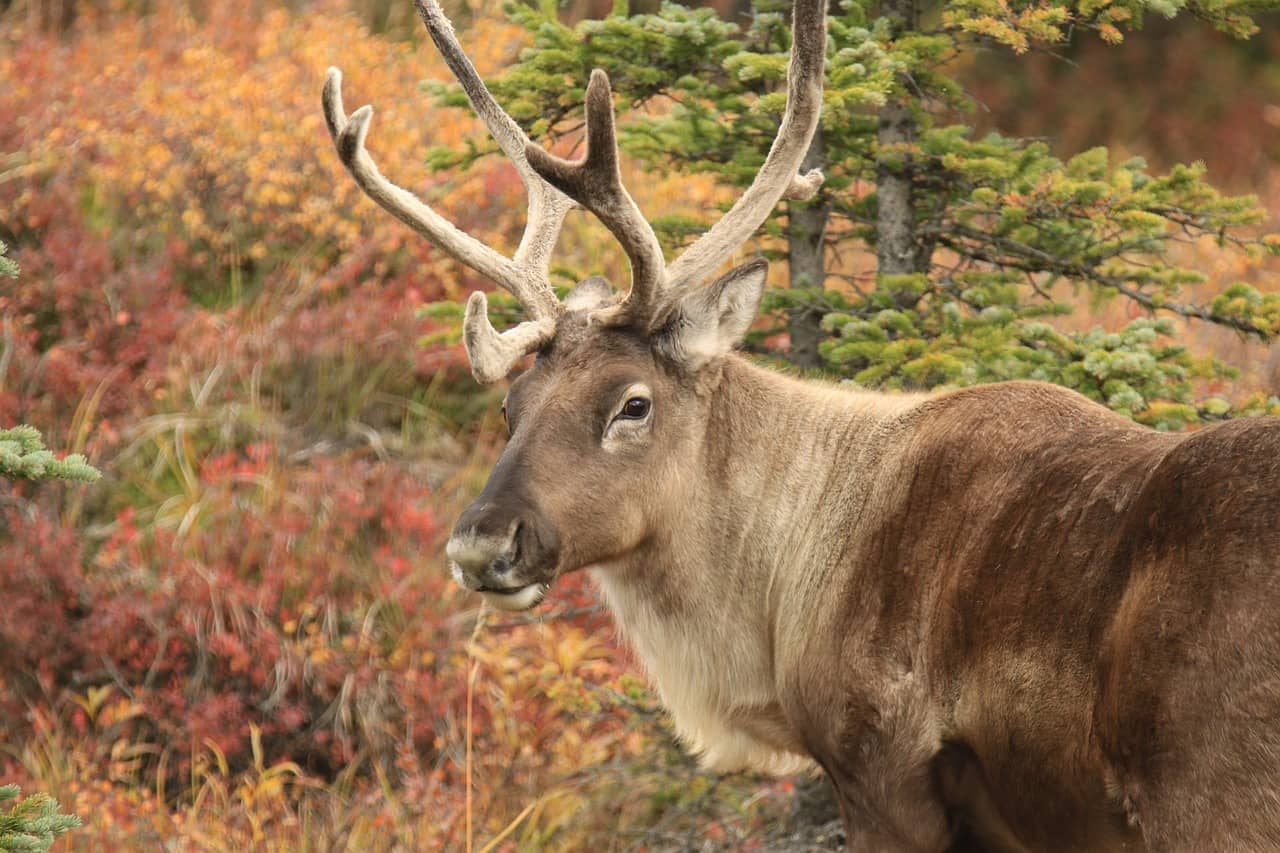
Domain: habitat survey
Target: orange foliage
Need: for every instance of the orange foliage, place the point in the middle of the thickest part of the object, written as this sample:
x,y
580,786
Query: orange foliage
x,y
211,133
1176,92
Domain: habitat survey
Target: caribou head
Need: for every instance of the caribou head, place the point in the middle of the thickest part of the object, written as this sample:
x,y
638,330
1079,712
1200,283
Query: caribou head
x,y
617,394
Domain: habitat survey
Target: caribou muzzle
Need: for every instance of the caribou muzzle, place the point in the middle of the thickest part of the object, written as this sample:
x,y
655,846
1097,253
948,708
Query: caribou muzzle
x,y
505,551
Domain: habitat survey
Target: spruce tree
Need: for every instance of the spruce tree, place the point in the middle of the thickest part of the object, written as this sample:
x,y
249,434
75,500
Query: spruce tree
x,y
979,242
32,824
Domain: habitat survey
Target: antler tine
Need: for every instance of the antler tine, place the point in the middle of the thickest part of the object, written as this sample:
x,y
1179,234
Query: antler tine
x,y
779,174
493,354
527,273
594,181
349,132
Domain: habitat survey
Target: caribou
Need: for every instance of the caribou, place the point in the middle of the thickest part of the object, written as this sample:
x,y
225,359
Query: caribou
x,y
999,618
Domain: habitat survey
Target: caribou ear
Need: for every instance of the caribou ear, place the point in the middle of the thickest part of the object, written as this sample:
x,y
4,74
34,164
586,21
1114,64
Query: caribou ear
x,y
589,295
712,320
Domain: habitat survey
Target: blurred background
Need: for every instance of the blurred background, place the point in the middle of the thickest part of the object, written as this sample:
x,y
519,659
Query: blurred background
x,y
244,636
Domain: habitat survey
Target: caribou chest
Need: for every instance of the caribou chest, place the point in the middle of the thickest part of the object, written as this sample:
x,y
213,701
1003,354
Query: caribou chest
x,y
714,678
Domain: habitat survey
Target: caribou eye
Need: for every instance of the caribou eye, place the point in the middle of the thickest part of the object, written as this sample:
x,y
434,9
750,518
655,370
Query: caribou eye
x,y
634,409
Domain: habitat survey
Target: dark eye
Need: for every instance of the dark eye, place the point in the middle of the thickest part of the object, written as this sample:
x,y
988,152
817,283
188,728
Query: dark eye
x,y
635,408
505,419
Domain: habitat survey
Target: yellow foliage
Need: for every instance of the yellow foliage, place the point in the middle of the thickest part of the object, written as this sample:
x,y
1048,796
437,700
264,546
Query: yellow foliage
x,y
219,141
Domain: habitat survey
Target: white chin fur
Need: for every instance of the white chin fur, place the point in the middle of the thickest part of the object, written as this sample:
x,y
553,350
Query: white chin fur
x,y
521,599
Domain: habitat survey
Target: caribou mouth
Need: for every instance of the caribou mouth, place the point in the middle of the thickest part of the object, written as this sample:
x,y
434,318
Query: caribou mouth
x,y
515,598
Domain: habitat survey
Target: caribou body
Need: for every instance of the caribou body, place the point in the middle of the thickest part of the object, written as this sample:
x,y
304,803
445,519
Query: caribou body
x,y
998,618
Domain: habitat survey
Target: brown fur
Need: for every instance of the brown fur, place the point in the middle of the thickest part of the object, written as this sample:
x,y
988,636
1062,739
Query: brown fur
x,y
1086,607
1001,616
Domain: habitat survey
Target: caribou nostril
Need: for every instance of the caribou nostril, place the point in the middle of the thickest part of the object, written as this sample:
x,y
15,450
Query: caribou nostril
x,y
514,560
478,555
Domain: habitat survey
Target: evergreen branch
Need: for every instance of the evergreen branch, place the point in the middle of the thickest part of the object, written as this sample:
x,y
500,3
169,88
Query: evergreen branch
x,y
23,457
32,824
1030,259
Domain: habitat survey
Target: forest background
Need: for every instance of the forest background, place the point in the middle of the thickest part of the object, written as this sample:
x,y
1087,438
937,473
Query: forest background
x,y
244,635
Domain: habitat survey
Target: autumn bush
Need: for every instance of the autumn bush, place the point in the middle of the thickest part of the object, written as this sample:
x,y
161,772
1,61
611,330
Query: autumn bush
x,y
198,180
1204,97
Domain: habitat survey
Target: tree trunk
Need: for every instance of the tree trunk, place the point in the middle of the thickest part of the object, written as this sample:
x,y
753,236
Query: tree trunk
x,y
806,230
896,217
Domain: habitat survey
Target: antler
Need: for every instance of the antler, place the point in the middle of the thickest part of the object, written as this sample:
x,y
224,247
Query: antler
x,y
554,185
594,181
526,275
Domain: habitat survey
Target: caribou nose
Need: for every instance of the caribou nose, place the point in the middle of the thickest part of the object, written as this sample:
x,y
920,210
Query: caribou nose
x,y
483,558
503,548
